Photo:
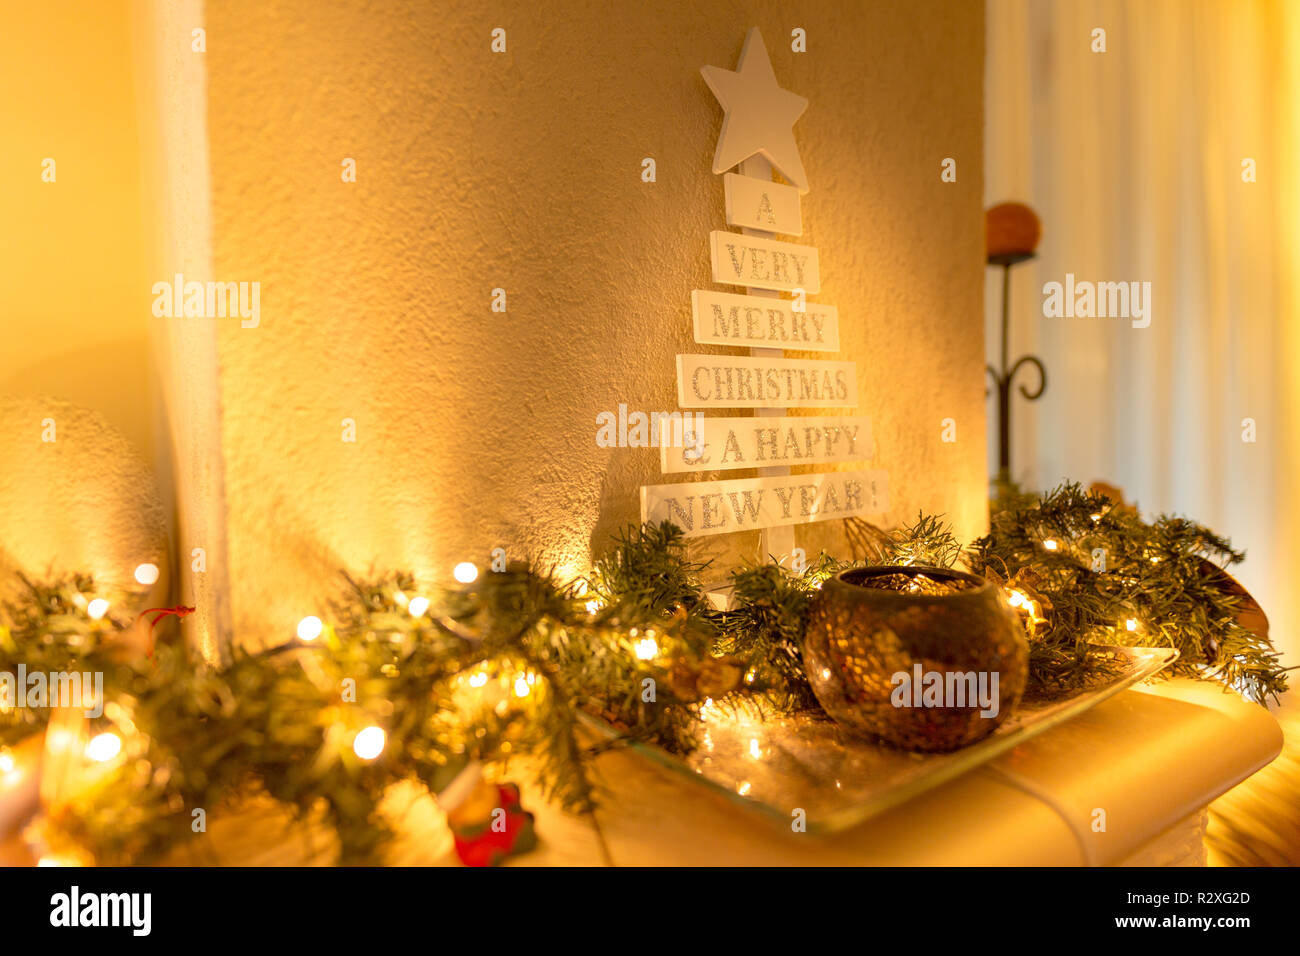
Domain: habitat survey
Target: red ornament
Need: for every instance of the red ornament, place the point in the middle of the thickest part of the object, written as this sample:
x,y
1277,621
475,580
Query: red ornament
x,y
504,832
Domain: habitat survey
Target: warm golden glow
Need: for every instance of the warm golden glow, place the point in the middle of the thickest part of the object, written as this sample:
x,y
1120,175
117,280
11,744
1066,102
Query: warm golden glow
x,y
369,743
646,649
104,747
418,606
147,573
309,628
97,609
1049,544
466,572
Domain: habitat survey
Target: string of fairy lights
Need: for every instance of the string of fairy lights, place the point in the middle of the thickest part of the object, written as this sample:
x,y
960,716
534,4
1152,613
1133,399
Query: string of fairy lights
x,y
1031,610
497,684
502,679
369,741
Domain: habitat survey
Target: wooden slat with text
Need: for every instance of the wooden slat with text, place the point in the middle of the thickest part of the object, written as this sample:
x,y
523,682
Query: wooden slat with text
x,y
748,504
727,444
751,321
763,263
734,381
762,204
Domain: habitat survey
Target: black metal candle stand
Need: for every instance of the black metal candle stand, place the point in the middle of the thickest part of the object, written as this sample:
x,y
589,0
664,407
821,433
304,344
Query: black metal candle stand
x,y
1003,378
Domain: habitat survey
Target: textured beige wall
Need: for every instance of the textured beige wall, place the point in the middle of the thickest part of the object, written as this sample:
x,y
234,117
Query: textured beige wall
x,y
74,300
83,503
521,170
74,306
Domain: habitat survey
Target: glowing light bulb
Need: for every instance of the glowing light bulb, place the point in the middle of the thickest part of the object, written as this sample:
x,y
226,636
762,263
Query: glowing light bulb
x,y
1095,517
1049,544
521,686
465,572
418,606
6,762
479,679
1131,624
97,609
369,743
1016,599
593,607
646,649
147,573
755,750
104,747
309,628
743,789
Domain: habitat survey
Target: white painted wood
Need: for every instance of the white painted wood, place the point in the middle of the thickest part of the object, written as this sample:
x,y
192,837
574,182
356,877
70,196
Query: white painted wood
x,y
774,543
739,259
758,321
733,381
760,116
747,504
728,444
753,204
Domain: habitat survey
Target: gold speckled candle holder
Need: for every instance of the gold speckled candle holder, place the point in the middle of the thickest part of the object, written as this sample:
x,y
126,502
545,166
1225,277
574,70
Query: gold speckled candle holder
x,y
859,637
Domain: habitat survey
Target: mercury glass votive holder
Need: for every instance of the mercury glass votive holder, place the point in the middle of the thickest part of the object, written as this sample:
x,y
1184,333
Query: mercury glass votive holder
x,y
912,664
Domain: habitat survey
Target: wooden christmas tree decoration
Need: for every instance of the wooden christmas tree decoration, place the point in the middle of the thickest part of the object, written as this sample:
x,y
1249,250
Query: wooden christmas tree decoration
x,y
758,136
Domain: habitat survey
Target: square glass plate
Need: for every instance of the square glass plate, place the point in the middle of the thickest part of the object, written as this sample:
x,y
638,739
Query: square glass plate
x,y
772,765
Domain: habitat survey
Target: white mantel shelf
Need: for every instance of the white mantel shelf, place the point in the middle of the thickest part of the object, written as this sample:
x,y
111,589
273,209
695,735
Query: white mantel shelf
x,y
1153,758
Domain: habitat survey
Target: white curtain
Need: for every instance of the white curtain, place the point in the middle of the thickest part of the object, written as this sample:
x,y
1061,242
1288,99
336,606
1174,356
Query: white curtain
x,y
1133,159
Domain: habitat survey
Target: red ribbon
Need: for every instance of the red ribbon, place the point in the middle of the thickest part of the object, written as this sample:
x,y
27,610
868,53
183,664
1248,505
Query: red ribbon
x,y
179,611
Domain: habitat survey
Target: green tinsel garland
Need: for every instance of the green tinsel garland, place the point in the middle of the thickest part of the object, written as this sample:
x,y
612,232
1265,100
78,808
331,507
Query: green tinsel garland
x,y
1110,567
636,643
